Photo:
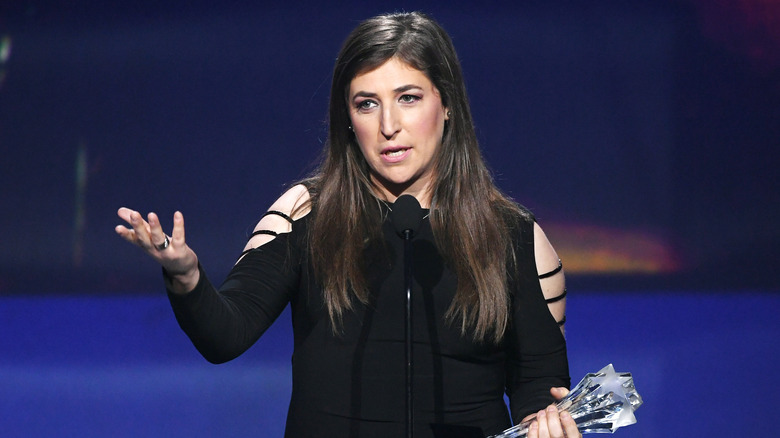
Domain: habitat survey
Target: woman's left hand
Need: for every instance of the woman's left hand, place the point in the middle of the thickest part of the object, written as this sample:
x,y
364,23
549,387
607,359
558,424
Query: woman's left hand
x,y
551,424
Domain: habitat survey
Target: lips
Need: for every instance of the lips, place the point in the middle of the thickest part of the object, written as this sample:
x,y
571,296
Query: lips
x,y
395,154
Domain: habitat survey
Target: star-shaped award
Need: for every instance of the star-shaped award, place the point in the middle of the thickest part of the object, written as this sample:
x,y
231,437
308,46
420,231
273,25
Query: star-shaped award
x,y
601,403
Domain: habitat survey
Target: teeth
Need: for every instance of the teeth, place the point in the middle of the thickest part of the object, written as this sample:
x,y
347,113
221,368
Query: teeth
x,y
396,153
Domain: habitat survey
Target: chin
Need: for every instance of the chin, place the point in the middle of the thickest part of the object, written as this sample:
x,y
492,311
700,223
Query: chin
x,y
397,181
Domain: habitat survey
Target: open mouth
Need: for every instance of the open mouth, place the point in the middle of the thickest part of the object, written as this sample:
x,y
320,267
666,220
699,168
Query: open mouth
x,y
395,152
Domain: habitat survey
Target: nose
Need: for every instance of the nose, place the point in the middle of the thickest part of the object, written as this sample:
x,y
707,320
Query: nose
x,y
390,124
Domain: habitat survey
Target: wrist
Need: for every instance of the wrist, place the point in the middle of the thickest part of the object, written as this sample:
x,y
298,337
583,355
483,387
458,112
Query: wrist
x,y
183,283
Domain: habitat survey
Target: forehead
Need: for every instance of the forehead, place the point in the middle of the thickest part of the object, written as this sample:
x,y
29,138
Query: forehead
x,y
394,73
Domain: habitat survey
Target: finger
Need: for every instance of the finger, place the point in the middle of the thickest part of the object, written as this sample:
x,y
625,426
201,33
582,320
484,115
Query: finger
x,y
124,214
157,236
569,426
528,418
559,392
533,430
140,231
554,422
544,431
177,235
125,233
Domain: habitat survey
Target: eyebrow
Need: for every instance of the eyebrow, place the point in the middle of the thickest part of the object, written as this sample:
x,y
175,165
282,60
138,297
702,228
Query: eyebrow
x,y
401,89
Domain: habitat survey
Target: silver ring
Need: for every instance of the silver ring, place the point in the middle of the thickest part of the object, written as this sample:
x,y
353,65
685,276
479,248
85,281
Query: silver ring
x,y
164,245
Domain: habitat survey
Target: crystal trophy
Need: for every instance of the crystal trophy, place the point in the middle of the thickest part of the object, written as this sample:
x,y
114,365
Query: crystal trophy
x,y
601,403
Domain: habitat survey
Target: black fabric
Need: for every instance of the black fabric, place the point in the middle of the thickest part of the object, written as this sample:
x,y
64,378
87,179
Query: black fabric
x,y
553,272
278,213
557,298
352,384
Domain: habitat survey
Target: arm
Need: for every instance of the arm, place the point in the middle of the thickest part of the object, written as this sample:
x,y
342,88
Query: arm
x,y
537,358
223,323
551,277
549,422
293,204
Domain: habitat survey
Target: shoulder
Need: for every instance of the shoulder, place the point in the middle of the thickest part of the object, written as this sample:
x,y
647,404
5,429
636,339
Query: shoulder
x,y
295,202
531,234
544,253
515,216
293,205
551,276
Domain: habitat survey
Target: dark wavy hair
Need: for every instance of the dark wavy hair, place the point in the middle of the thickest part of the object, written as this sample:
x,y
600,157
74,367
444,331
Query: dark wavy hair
x,y
471,219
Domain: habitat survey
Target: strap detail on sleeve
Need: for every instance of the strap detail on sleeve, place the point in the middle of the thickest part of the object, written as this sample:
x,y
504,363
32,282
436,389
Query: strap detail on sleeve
x,y
258,232
558,298
562,322
553,272
269,232
278,213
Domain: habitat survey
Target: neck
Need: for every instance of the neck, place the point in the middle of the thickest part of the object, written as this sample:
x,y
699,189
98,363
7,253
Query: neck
x,y
391,192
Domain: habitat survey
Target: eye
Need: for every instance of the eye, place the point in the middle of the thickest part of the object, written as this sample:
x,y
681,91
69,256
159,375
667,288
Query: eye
x,y
365,105
409,98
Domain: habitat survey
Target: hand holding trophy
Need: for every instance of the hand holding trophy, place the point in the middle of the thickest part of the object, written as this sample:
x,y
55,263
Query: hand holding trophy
x,y
601,403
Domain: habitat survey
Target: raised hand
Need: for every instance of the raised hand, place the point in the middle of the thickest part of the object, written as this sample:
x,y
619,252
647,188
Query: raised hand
x,y
178,259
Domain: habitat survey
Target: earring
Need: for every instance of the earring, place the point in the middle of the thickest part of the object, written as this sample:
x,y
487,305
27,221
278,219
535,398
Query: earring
x,y
351,128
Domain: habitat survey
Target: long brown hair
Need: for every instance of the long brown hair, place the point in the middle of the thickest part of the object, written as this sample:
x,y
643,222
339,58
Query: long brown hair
x,y
469,216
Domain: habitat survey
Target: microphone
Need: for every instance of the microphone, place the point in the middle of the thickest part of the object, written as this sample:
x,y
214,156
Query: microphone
x,y
406,216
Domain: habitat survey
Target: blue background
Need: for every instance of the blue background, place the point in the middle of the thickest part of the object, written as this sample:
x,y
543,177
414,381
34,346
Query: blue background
x,y
629,128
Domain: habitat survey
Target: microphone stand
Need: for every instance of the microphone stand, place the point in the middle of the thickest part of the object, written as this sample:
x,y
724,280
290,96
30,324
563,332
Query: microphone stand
x,y
406,216
408,279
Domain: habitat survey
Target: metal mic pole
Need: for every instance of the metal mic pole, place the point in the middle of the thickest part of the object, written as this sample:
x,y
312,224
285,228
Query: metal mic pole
x,y
408,278
406,216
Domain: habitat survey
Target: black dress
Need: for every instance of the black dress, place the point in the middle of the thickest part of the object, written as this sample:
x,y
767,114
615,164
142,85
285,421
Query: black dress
x,y
353,384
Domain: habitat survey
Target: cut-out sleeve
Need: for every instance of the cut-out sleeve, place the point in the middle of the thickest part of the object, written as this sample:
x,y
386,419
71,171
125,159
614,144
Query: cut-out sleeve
x,y
265,231
536,348
224,322
558,297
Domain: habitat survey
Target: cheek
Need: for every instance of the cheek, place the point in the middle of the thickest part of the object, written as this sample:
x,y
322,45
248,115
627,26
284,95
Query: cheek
x,y
363,151
361,138
431,125
361,129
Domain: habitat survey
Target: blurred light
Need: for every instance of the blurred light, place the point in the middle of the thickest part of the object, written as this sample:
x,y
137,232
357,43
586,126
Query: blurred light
x,y
5,49
588,249
5,54
80,208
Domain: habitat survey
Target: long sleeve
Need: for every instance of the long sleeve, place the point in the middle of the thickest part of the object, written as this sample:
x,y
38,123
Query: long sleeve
x,y
537,359
223,323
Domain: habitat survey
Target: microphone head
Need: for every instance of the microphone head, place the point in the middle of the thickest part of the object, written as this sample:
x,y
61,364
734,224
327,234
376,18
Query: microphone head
x,y
406,214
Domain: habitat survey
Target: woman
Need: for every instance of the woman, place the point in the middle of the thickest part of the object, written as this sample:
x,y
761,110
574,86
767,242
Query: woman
x,y
485,323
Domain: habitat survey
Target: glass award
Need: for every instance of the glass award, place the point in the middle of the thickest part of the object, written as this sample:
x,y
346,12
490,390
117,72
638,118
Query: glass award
x,y
601,403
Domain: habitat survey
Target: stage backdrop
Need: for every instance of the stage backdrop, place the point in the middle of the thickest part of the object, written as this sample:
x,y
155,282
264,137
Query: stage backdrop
x,y
642,134
641,137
